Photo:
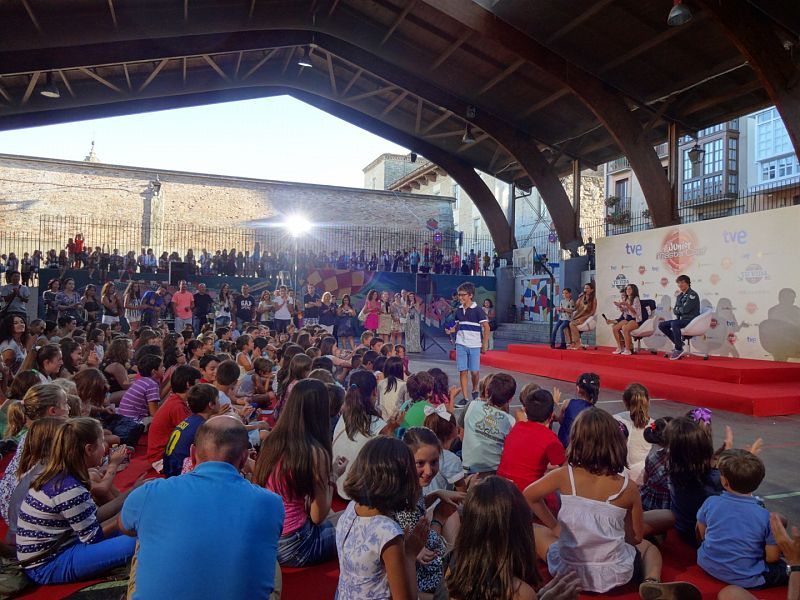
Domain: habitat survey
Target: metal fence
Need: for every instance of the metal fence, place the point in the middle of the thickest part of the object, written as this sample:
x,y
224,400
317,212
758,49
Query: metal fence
x,y
55,231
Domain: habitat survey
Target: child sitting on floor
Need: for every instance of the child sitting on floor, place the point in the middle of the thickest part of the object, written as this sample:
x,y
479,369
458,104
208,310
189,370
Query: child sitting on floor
x,y
376,556
531,446
596,504
588,389
451,469
420,389
486,425
202,401
636,418
737,544
655,489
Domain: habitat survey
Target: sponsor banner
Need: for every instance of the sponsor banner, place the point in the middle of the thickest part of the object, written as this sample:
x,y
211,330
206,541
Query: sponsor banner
x,y
746,270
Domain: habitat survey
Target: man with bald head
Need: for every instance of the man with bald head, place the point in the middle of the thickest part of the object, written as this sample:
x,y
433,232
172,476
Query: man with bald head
x,y
209,533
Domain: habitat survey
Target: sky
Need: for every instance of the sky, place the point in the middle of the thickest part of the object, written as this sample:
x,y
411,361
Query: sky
x,y
270,138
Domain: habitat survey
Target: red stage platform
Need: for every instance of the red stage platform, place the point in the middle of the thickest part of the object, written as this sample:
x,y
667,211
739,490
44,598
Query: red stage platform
x,y
752,387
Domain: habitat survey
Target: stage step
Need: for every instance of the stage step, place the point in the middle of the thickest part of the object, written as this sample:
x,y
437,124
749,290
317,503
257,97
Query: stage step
x,y
763,399
723,369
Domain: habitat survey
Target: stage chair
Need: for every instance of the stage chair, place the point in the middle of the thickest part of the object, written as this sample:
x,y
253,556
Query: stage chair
x,y
696,328
587,326
647,327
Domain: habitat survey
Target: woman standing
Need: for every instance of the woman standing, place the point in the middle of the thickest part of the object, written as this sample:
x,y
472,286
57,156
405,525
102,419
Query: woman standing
x,y
49,300
413,312
385,324
112,306
585,307
398,320
327,313
372,309
224,306
90,304
491,314
344,323
264,309
132,299
68,301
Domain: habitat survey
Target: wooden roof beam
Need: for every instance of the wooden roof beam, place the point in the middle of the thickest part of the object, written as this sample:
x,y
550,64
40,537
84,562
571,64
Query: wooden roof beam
x,y
102,80
450,49
390,107
400,18
32,15
66,83
507,72
217,69
154,74
29,89
113,13
587,14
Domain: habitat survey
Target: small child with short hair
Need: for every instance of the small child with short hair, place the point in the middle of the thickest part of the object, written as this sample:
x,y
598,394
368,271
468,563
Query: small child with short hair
x,y
419,388
531,446
366,338
486,425
588,390
202,401
737,543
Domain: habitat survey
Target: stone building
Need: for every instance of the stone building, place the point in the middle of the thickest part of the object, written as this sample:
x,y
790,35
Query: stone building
x,y
45,201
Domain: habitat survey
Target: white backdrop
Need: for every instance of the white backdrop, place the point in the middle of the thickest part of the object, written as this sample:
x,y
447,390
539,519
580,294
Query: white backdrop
x,y
746,268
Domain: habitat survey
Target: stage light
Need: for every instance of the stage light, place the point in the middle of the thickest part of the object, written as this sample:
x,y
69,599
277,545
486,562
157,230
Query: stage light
x,y
468,138
297,225
50,90
679,15
305,59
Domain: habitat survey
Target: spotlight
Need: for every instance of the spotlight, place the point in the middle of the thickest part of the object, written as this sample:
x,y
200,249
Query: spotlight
x,y
305,59
679,15
50,90
468,138
297,225
413,157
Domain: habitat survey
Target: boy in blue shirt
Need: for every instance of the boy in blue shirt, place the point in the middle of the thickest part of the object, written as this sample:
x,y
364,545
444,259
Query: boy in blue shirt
x,y
737,543
471,340
202,401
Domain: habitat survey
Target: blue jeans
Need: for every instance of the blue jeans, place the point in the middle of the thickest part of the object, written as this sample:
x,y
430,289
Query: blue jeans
x,y
310,545
672,329
468,359
84,561
561,326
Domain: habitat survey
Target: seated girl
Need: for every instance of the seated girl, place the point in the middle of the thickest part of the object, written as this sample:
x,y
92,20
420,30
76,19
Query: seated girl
x,y
59,536
588,390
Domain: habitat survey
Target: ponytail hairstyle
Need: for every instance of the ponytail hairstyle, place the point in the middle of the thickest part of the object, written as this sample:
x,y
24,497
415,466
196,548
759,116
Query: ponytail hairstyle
x,y
654,434
444,429
67,456
359,406
393,371
589,386
15,416
38,355
38,443
637,401
40,398
23,381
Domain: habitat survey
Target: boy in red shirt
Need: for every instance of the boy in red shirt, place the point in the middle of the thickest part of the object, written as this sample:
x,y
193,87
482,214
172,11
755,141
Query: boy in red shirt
x,y
530,447
170,413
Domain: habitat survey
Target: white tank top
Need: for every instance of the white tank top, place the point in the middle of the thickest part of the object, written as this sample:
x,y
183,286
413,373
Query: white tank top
x,y
592,541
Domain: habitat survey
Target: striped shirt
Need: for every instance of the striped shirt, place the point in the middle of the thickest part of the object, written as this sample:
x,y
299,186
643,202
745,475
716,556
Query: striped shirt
x,y
469,325
63,504
134,403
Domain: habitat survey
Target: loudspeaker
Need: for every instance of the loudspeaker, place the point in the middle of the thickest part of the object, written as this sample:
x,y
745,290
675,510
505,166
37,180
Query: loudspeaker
x,y
178,271
423,284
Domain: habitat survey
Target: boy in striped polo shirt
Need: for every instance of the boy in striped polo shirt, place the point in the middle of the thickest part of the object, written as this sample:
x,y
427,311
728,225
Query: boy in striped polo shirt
x,y
471,340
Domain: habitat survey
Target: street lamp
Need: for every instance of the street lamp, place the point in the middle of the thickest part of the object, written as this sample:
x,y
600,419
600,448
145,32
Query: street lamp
x,y
296,225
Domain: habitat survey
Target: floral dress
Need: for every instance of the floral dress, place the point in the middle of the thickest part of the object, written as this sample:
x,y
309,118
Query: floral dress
x,y
428,576
412,329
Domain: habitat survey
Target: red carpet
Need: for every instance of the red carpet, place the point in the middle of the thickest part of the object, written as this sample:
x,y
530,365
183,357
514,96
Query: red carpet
x,y
752,387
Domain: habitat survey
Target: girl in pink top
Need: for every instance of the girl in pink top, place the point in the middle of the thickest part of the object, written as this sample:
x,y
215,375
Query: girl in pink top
x,y
296,465
372,308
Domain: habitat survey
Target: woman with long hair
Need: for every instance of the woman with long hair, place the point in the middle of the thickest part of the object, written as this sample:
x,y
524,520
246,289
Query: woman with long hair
x,y
385,323
327,313
344,323
398,320
372,310
414,314
46,360
115,367
73,359
14,339
392,388
90,304
68,301
264,309
132,300
224,306
297,464
585,307
49,300
631,309
491,314
112,305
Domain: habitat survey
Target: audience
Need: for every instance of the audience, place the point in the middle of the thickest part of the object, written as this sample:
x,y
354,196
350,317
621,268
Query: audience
x,y
171,412
486,425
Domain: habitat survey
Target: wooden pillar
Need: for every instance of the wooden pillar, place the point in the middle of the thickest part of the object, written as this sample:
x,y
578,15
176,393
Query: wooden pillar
x,y
674,165
576,196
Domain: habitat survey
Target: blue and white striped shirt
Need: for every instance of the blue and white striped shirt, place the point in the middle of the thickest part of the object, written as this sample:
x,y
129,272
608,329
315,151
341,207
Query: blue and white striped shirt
x,y
469,325
62,504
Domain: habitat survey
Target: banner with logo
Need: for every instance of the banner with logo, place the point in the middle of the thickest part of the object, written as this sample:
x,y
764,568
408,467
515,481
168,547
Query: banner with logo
x,y
746,269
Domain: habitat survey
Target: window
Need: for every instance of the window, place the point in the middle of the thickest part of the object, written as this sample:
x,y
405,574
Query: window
x,y
688,167
712,186
691,191
713,158
457,196
476,227
771,136
779,168
733,154
733,183
622,191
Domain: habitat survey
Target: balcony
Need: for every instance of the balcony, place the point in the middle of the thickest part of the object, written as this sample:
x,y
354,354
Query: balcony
x,y
620,164
698,200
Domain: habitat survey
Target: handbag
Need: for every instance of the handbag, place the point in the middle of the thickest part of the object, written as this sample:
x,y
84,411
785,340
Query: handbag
x,y
362,316
13,579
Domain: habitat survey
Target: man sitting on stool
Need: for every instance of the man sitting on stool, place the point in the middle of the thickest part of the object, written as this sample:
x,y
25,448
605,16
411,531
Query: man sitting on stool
x,y
687,307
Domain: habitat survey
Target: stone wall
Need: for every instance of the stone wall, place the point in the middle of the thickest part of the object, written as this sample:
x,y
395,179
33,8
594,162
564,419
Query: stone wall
x,y
217,211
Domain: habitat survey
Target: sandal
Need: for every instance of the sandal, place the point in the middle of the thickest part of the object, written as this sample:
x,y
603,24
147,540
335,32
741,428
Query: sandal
x,y
652,589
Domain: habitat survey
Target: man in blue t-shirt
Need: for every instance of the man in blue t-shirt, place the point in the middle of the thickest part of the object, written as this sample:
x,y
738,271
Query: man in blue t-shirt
x,y
202,401
413,260
209,533
152,306
472,338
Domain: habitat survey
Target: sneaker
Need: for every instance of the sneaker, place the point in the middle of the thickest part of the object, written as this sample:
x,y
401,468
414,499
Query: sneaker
x,y
676,590
626,352
617,351
475,395
684,352
676,354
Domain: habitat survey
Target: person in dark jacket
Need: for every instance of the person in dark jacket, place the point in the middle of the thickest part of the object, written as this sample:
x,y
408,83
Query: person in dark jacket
x,y
687,307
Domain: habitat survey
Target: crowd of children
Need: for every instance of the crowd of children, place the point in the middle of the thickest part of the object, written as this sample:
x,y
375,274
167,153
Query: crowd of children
x,y
448,494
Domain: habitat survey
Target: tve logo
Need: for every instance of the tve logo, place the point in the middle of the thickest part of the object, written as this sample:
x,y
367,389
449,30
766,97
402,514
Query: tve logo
x,y
635,249
734,237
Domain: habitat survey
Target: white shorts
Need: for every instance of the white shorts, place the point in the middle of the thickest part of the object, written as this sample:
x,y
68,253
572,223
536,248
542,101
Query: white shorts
x,y
109,320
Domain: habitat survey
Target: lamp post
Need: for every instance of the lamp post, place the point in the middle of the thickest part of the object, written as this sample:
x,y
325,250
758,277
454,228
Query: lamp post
x,y
296,225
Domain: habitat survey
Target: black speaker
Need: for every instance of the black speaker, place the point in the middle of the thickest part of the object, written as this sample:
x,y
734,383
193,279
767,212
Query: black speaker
x,y
177,272
423,284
